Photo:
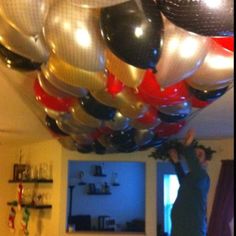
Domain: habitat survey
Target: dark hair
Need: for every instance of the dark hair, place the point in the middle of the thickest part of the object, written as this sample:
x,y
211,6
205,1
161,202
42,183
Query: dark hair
x,y
208,151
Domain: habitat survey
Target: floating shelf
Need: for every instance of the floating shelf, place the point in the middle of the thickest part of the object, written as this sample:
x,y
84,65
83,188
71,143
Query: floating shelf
x,y
31,181
102,175
109,193
44,206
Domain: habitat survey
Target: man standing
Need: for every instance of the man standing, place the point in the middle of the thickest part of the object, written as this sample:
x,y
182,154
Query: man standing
x,y
190,207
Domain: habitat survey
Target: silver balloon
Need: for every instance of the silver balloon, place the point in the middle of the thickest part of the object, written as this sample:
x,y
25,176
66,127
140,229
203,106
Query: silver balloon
x,y
119,122
139,125
217,70
26,46
27,16
60,84
183,108
143,136
82,138
182,54
57,115
73,34
49,88
99,3
68,143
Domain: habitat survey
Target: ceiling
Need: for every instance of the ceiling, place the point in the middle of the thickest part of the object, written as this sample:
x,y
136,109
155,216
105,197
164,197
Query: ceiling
x,y
21,119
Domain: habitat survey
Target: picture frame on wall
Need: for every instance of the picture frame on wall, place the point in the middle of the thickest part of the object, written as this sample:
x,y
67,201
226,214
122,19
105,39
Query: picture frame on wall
x,y
18,171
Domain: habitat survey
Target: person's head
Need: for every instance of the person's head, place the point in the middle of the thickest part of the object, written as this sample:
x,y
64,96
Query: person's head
x,y
203,154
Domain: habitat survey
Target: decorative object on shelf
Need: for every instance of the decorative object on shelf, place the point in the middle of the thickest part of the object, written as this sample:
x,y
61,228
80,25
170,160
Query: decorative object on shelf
x,y
25,221
81,176
114,179
11,219
98,171
20,191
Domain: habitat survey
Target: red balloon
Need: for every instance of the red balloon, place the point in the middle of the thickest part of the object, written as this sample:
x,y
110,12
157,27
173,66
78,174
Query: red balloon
x,y
113,85
149,117
151,92
226,42
51,102
198,103
166,129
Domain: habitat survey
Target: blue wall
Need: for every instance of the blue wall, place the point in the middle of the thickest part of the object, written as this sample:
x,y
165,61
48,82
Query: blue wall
x,y
126,202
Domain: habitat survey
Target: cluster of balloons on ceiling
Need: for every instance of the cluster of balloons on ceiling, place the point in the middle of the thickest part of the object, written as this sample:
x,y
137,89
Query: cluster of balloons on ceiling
x,y
119,75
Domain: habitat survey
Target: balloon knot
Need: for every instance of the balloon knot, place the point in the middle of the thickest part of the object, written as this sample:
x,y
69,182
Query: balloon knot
x,y
154,70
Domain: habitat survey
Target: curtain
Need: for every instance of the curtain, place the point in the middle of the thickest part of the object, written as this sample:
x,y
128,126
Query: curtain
x,y
223,206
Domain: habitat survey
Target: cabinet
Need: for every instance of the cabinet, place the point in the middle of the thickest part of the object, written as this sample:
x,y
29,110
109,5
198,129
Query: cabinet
x,y
32,204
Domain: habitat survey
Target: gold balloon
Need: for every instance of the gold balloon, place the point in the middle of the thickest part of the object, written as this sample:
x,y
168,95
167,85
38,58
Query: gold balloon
x,y
82,116
57,115
82,138
182,54
49,88
138,125
127,102
217,70
26,46
68,143
74,76
73,34
99,3
131,76
67,88
27,16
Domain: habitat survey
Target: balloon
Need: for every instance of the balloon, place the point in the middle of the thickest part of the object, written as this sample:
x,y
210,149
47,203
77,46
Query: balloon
x,y
183,108
151,92
130,147
99,148
216,71
206,95
182,51
85,148
27,16
123,137
52,125
51,102
97,109
61,85
143,136
119,122
73,127
127,102
171,118
25,46
131,76
225,42
155,143
99,3
199,103
57,115
73,34
166,129
149,120
75,76
68,143
49,88
82,116
15,61
113,85
131,34
83,138
209,18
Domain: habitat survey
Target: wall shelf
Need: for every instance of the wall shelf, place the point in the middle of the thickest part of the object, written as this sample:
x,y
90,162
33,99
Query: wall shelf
x,y
108,193
31,181
42,206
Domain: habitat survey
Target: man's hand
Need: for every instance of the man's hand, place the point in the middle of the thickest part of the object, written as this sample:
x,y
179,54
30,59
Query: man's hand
x,y
189,137
173,154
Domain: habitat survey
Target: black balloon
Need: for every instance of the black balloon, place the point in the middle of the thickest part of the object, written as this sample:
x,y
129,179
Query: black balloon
x,y
15,61
99,148
204,17
84,148
128,147
52,125
207,95
133,34
122,137
97,109
171,118
155,143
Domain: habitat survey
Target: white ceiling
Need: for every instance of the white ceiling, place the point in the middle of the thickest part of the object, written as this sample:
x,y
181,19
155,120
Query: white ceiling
x,y
21,119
